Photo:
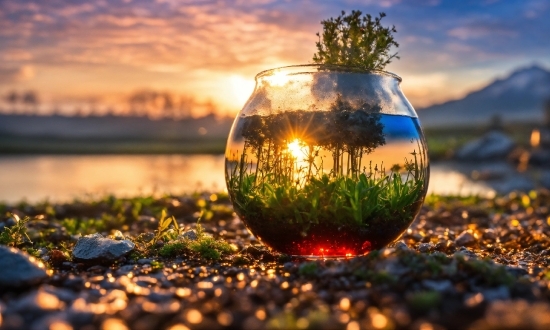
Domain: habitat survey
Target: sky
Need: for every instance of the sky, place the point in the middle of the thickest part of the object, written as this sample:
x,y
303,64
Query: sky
x,y
77,53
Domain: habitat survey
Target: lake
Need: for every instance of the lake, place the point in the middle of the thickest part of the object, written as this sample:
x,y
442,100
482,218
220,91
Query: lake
x,y
60,178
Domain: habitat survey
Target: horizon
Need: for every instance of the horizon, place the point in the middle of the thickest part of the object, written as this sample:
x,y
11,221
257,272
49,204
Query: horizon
x,y
201,57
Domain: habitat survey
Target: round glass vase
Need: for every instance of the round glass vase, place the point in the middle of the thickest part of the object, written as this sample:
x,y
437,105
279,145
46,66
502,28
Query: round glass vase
x,y
326,161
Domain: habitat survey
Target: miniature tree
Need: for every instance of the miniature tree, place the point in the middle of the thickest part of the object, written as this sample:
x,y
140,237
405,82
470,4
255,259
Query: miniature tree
x,y
353,40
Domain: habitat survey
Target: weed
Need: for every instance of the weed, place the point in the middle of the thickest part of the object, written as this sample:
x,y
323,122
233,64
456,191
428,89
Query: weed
x,y
164,232
15,235
33,252
205,246
82,226
157,265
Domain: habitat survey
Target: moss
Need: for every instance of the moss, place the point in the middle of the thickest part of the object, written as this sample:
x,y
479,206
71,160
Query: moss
x,y
241,260
423,301
209,248
308,269
174,249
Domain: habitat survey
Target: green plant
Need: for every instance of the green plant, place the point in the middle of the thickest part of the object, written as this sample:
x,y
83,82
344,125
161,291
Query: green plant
x,y
303,190
15,235
173,249
83,226
299,171
357,41
209,248
157,265
423,301
308,269
164,231
204,245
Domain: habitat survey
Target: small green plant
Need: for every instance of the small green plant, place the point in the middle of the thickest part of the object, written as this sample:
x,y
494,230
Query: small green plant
x,y
157,265
356,41
81,226
209,248
164,232
174,249
15,235
204,245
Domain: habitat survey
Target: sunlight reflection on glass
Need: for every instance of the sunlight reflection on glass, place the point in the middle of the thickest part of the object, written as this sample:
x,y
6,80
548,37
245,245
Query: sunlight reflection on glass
x,y
298,150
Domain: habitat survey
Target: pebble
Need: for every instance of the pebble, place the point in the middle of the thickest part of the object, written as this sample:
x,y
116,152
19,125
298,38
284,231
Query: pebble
x,y
12,221
400,245
465,239
425,247
18,269
97,249
455,291
144,261
190,235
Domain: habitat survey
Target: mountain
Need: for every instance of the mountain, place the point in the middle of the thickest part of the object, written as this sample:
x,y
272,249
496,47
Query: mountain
x,y
520,97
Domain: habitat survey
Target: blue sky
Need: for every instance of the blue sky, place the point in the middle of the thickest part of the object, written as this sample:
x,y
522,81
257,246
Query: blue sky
x,y
74,52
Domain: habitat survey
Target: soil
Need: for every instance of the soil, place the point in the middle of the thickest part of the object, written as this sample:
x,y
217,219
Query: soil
x,y
464,263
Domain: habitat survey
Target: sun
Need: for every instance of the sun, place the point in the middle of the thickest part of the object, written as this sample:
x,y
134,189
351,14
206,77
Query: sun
x,y
241,88
277,78
297,149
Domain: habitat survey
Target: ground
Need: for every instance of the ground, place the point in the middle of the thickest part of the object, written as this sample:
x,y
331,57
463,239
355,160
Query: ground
x,y
465,262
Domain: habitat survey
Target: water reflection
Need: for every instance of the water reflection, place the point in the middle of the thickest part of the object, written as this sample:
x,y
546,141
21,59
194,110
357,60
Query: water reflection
x,y
63,178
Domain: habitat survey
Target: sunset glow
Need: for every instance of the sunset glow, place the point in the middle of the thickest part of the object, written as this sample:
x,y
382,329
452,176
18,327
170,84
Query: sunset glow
x,y
91,57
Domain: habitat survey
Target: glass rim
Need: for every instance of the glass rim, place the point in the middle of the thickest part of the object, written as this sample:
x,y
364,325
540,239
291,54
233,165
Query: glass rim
x,y
335,67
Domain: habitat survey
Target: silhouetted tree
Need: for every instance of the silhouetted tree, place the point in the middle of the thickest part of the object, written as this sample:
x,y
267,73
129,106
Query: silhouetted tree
x,y
30,100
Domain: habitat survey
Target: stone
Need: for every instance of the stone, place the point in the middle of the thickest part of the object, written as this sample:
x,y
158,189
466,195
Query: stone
x,y
499,293
425,247
465,239
440,286
517,271
18,269
37,302
144,261
516,182
400,245
190,235
98,249
12,221
493,145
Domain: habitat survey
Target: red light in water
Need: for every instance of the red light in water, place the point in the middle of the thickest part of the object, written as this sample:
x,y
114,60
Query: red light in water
x,y
366,247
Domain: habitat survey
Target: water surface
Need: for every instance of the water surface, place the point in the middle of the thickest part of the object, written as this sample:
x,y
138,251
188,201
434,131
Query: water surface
x,y
63,178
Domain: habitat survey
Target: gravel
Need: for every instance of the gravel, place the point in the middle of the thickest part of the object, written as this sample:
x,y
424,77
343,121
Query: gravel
x,y
464,263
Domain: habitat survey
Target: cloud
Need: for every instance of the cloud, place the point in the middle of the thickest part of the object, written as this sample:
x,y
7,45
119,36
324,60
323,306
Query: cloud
x,y
481,31
190,43
10,74
15,55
